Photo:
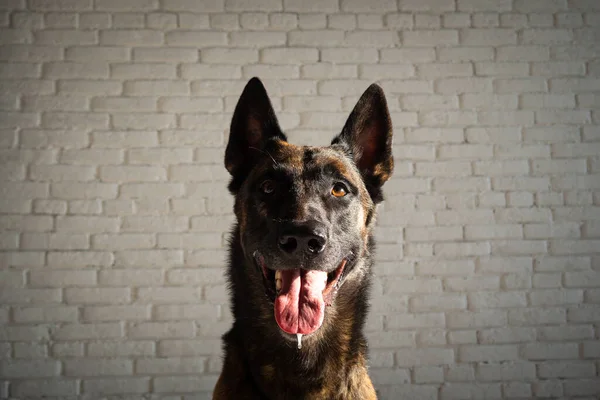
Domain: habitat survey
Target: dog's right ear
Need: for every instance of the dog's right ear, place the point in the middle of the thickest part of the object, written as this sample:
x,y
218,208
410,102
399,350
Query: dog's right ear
x,y
254,123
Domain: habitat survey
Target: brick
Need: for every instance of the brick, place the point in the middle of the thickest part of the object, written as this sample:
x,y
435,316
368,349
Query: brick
x,y
371,38
510,371
133,277
488,37
36,333
67,349
94,20
74,259
430,38
487,353
30,350
123,241
60,20
186,312
422,357
20,70
577,332
131,37
157,330
427,21
438,302
167,366
487,6
547,388
44,314
121,349
122,139
50,387
91,87
99,53
9,241
62,278
348,55
549,351
65,37
471,390
61,5
414,5
116,313
29,368
98,367
116,386
97,296
132,173
402,55
166,295
183,383
264,39
123,121
188,347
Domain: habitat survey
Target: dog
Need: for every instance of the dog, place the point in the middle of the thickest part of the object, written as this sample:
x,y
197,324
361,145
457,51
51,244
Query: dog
x,y
301,253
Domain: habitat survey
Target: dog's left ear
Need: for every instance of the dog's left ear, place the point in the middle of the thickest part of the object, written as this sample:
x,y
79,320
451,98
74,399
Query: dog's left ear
x,y
367,136
254,123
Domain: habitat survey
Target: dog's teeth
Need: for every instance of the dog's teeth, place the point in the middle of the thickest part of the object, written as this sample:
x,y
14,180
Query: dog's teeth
x,y
278,280
299,336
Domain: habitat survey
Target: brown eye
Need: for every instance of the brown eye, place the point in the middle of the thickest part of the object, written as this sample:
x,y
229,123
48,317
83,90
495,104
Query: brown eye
x,y
267,187
339,190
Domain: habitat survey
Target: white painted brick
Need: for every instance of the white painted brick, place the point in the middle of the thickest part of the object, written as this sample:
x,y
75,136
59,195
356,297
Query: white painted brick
x,y
263,39
50,387
488,37
414,5
115,313
97,296
549,351
169,366
45,314
116,386
98,367
29,368
120,349
427,21
65,37
184,383
123,241
165,54
74,120
438,302
428,38
312,21
488,5
161,21
547,388
371,38
131,37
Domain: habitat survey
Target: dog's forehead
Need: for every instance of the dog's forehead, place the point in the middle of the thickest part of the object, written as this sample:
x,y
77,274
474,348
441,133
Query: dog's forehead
x,y
302,159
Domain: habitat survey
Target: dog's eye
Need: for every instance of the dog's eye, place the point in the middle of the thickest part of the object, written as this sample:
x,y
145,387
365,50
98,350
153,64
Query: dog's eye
x,y
339,190
267,187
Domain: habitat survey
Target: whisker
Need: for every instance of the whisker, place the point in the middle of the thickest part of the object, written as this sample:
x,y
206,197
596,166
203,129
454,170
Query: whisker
x,y
265,152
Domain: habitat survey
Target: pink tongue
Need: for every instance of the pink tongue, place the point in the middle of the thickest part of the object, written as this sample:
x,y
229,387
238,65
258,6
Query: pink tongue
x,y
299,307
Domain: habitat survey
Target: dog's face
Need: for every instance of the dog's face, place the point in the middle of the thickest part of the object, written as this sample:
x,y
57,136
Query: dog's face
x,y
305,214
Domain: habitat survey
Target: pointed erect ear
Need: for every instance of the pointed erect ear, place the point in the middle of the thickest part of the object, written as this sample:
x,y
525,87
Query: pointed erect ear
x,y
367,137
253,125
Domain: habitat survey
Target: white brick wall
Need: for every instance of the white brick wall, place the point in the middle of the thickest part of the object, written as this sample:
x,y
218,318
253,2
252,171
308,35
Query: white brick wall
x,y
114,211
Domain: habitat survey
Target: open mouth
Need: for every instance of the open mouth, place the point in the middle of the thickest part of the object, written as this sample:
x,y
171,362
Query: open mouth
x,y
300,295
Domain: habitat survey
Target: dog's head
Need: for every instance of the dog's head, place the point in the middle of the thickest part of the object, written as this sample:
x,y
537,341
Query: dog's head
x,y
305,214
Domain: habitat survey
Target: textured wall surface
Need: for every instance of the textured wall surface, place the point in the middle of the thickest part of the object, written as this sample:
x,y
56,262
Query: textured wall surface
x,y
114,209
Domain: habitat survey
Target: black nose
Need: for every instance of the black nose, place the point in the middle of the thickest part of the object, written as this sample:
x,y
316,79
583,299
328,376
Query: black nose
x,y
308,237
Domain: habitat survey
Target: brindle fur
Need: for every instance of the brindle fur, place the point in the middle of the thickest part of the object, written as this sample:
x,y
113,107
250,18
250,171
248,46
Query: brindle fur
x,y
260,362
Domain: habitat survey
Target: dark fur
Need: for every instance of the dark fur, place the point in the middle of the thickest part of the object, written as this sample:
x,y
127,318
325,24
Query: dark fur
x,y
261,362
